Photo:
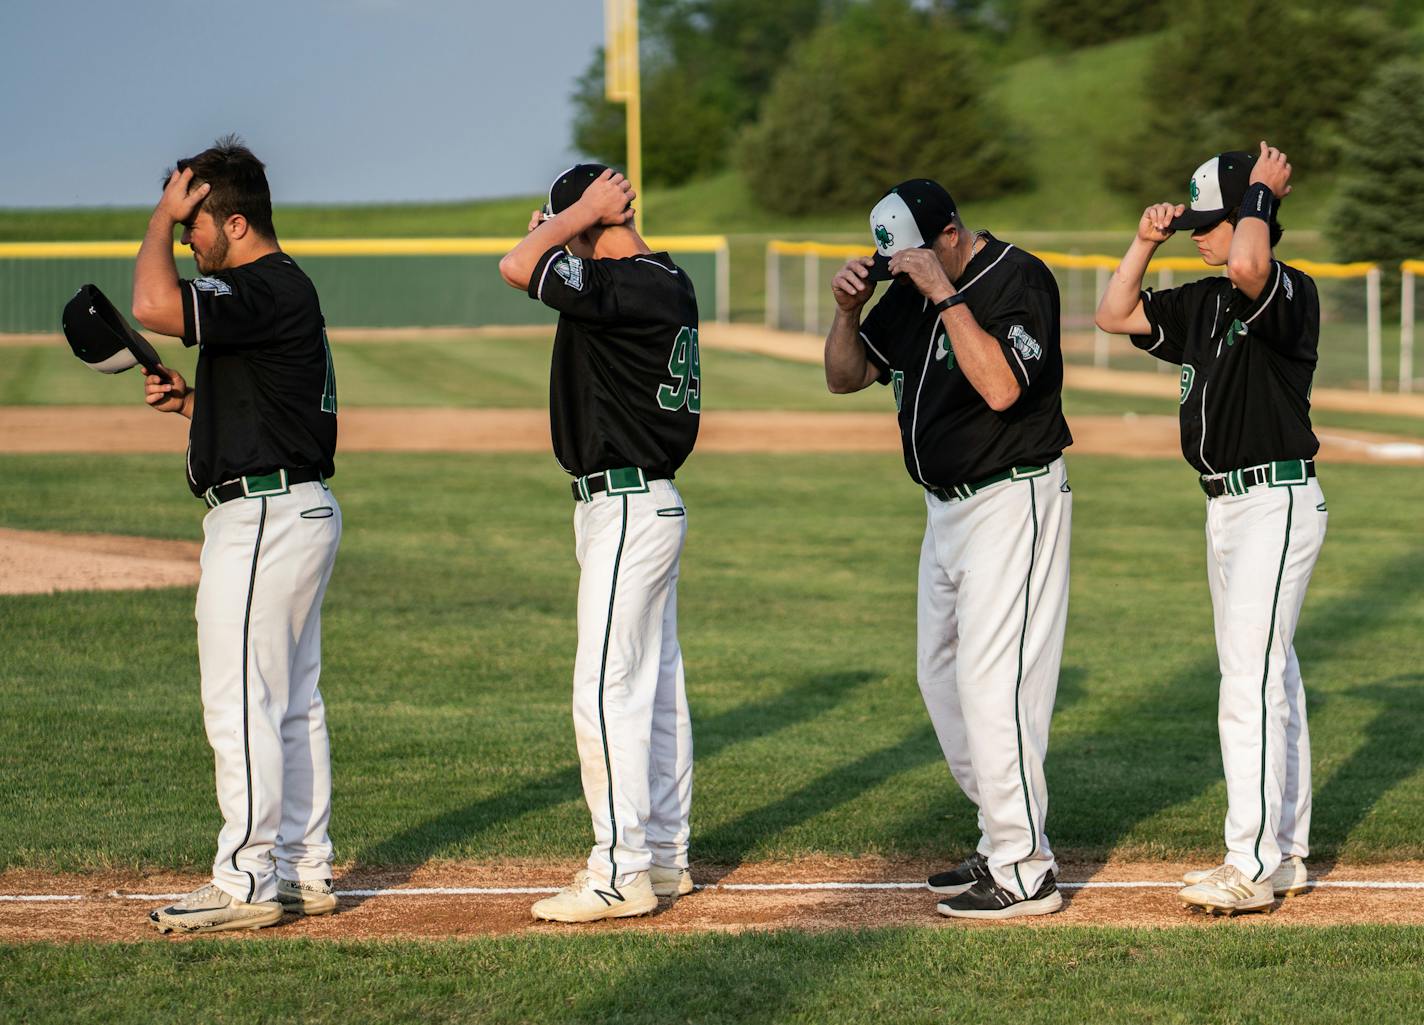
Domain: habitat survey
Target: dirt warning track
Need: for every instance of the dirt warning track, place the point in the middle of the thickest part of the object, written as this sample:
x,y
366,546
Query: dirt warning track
x,y
453,900
124,429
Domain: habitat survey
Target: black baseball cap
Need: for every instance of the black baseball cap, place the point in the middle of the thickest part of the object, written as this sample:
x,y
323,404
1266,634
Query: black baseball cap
x,y
909,216
101,337
569,187
1216,189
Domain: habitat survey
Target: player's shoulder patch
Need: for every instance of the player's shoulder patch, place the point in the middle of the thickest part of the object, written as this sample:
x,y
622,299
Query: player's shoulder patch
x,y
217,286
1287,284
570,268
1024,343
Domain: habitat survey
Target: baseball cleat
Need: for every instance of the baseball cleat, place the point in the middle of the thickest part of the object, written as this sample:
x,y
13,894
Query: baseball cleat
x,y
211,909
670,882
306,897
987,899
1288,880
589,900
1227,890
961,877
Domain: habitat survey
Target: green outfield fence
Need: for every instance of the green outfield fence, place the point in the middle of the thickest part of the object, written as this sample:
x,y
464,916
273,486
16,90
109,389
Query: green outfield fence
x,y
370,283
1353,342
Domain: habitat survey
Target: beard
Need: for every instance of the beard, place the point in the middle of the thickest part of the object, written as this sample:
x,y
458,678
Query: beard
x,y
216,256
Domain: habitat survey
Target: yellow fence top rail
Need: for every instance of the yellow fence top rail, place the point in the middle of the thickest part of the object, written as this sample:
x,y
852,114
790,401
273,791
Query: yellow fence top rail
x,y
1090,261
1412,266
342,247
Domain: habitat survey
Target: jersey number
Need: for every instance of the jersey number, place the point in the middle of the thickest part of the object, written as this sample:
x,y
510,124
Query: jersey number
x,y
685,366
328,391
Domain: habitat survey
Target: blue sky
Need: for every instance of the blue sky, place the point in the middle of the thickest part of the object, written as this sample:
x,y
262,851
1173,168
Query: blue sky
x,y
345,100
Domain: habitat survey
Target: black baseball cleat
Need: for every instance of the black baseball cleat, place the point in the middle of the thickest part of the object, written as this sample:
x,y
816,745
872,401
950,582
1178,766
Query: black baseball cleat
x,y
961,877
987,899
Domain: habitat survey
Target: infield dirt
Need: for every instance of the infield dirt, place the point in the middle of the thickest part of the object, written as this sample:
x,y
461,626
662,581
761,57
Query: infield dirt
x,y
104,912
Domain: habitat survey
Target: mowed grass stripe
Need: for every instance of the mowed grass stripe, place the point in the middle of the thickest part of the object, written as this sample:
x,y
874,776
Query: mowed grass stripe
x,y
909,976
449,639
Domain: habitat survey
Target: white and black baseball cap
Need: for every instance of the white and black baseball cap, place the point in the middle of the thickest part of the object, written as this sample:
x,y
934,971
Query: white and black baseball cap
x,y
101,337
909,216
1216,190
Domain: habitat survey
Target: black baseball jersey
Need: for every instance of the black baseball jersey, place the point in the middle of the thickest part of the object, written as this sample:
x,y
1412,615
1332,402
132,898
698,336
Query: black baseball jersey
x,y
625,388
1246,366
950,434
266,388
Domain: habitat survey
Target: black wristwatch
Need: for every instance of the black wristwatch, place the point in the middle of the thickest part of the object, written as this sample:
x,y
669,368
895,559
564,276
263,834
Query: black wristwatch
x,y
954,300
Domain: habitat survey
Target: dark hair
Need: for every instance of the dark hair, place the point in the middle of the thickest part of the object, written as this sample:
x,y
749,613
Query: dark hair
x,y
239,183
1276,230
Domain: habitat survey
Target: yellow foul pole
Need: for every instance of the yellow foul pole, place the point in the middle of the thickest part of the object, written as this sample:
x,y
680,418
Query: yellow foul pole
x,y
622,84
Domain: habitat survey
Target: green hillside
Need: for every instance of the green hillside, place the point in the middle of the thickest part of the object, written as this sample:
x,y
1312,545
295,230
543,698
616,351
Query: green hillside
x,y
1069,106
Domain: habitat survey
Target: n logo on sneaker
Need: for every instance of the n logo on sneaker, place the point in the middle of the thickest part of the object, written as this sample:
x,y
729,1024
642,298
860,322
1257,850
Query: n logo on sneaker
x,y
609,898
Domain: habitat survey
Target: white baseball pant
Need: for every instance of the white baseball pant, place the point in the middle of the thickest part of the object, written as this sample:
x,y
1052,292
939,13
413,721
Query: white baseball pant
x,y
993,603
265,566
630,711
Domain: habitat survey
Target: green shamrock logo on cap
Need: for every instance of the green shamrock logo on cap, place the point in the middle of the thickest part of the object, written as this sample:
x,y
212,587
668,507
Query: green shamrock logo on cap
x,y
1196,190
883,238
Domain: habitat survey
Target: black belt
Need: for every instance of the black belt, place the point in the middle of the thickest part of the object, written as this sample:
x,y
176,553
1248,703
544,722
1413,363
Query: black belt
x,y
963,491
625,480
1278,474
278,482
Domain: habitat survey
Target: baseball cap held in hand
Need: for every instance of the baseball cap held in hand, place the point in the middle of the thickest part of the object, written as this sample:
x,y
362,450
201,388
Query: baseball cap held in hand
x,y
1216,190
909,216
101,337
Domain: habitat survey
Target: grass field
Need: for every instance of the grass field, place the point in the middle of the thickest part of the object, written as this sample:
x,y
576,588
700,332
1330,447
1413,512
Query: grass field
x,y
909,977
448,637
494,372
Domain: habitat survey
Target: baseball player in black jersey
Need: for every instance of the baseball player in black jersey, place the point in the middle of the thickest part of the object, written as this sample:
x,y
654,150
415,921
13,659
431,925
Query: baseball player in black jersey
x,y
625,400
967,334
1246,343
260,448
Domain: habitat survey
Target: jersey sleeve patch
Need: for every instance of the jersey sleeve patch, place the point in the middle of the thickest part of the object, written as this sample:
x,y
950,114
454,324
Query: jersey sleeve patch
x,y
1024,343
217,286
570,268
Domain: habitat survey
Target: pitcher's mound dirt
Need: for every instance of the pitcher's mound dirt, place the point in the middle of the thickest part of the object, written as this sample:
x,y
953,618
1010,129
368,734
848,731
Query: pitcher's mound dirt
x,y
42,562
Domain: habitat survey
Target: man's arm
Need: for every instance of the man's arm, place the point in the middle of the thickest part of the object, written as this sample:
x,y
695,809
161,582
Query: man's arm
x,y
1248,264
977,352
606,201
157,301
848,368
1120,310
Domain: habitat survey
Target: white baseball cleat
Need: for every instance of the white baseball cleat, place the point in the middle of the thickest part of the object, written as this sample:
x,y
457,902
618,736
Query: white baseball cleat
x,y
309,897
1226,889
1288,880
590,900
670,882
211,909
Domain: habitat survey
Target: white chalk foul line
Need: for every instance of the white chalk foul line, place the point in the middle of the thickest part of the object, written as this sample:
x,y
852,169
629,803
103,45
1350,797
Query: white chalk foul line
x,y
506,891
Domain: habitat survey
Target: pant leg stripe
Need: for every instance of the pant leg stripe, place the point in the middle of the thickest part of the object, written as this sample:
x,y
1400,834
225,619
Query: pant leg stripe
x,y
602,720
1265,675
1018,683
246,731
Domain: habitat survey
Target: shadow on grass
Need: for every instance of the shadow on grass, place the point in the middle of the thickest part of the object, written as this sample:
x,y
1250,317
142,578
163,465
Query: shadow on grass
x,y
804,701
1161,749
729,843
1390,753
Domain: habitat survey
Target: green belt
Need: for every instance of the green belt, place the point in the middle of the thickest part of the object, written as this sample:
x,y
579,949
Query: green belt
x,y
625,480
963,491
1280,474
